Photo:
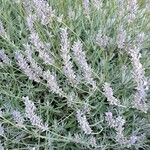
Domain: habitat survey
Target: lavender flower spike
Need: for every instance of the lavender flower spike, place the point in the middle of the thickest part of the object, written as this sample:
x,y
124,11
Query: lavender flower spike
x,y
117,124
30,22
30,114
1,130
80,59
52,83
4,57
108,92
22,63
121,37
41,48
2,30
132,8
29,51
140,79
109,119
86,7
68,66
102,40
28,4
43,11
18,118
82,120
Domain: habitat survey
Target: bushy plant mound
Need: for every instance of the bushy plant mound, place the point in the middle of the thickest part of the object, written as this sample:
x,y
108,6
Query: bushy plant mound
x,y
74,75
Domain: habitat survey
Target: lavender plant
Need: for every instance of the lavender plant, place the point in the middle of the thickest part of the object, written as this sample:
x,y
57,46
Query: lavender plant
x,y
64,55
